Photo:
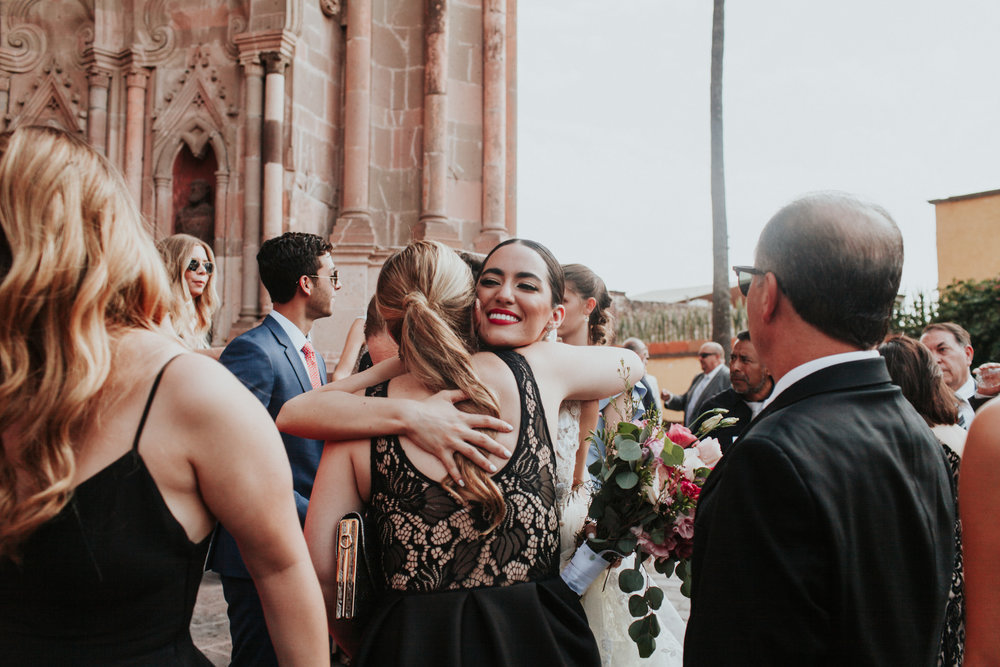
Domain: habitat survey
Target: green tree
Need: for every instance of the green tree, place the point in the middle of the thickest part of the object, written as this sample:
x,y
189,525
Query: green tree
x,y
910,316
974,305
722,332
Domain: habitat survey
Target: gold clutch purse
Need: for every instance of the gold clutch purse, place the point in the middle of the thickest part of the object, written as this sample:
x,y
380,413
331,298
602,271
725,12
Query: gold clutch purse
x,y
356,586
347,566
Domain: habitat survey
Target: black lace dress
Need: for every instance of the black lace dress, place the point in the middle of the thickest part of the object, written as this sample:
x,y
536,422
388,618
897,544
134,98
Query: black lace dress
x,y
456,597
952,648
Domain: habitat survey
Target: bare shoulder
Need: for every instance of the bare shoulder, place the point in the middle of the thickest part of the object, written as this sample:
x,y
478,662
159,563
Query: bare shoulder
x,y
984,434
206,393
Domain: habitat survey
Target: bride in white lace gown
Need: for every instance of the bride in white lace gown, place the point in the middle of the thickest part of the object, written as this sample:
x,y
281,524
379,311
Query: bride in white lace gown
x,y
587,323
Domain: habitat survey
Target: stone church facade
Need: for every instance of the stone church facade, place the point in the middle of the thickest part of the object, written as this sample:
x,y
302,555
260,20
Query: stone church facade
x,y
369,122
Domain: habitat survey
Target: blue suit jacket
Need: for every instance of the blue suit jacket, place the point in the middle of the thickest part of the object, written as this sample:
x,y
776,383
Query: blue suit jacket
x,y
265,360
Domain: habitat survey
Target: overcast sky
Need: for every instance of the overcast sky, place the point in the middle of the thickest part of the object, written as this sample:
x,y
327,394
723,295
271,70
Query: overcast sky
x,y
895,101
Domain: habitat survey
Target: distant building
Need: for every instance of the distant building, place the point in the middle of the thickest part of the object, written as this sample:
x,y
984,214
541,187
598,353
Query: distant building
x,y
370,123
968,237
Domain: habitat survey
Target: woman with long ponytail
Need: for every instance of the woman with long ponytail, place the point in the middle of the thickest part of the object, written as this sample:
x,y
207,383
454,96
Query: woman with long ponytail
x,y
470,570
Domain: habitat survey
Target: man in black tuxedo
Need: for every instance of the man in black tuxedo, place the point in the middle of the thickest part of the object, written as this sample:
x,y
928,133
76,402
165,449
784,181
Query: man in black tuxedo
x,y
951,346
824,536
752,384
714,377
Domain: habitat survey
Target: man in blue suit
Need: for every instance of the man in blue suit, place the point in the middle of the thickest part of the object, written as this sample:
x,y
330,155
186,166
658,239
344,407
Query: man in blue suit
x,y
276,361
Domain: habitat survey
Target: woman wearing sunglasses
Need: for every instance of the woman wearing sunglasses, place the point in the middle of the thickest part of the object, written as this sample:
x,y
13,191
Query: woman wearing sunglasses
x,y
190,265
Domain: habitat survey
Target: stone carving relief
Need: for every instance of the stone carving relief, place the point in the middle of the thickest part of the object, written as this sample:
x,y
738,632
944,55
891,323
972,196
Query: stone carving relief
x,y
331,8
52,100
22,44
156,39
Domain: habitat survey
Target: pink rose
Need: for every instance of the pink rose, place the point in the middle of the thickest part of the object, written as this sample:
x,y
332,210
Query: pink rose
x,y
681,435
684,526
659,551
655,446
709,451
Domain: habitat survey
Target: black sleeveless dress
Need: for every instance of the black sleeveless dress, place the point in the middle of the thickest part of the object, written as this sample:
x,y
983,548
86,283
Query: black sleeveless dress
x,y
456,597
111,580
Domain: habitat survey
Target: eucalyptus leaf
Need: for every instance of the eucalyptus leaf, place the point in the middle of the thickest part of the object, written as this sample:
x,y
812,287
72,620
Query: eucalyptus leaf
x,y
672,454
665,567
637,606
646,646
626,544
627,428
636,629
654,625
595,467
629,450
684,569
654,597
686,588
630,581
626,479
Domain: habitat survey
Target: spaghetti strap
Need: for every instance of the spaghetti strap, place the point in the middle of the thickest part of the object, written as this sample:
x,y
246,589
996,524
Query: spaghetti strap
x,y
149,402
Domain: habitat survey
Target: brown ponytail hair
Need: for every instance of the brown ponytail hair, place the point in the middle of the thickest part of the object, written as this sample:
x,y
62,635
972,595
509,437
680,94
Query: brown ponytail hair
x,y
425,295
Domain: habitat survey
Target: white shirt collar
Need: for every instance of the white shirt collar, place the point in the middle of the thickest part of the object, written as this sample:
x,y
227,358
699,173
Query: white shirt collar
x,y
967,390
294,333
810,367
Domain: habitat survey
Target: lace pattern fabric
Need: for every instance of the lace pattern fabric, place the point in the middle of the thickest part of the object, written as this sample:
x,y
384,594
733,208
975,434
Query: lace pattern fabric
x,y
952,647
567,441
431,542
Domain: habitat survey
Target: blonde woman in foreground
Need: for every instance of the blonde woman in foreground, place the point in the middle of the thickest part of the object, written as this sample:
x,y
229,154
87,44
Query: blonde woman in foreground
x,y
979,506
120,451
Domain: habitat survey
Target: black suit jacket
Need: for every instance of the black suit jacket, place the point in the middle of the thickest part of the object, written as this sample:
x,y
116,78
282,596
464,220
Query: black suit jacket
x,y
683,401
735,406
824,536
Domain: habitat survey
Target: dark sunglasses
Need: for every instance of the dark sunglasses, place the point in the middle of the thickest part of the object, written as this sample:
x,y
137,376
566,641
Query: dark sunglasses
x,y
744,276
194,264
705,355
334,278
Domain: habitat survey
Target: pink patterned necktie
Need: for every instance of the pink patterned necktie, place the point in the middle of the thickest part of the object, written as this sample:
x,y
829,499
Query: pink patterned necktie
x,y
310,354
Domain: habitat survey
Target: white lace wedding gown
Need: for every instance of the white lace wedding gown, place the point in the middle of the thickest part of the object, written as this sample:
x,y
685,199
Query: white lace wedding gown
x,y
605,604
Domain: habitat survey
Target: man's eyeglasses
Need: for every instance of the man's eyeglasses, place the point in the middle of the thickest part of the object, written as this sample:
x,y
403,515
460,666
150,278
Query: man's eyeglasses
x,y
194,265
744,276
706,355
334,278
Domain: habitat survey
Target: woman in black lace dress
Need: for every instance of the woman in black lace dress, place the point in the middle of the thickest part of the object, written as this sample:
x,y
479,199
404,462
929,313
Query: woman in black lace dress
x,y
914,370
471,571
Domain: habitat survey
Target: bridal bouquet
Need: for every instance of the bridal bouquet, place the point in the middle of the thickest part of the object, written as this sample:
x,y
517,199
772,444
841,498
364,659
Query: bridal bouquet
x,y
649,482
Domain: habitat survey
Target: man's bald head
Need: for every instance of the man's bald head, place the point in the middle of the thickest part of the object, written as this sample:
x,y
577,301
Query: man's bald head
x,y
839,260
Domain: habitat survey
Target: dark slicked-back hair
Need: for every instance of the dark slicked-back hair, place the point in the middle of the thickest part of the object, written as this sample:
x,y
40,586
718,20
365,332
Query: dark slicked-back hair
x,y
284,259
838,260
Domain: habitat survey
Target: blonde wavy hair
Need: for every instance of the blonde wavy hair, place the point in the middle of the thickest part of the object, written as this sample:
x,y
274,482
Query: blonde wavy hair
x,y
425,295
77,269
190,315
